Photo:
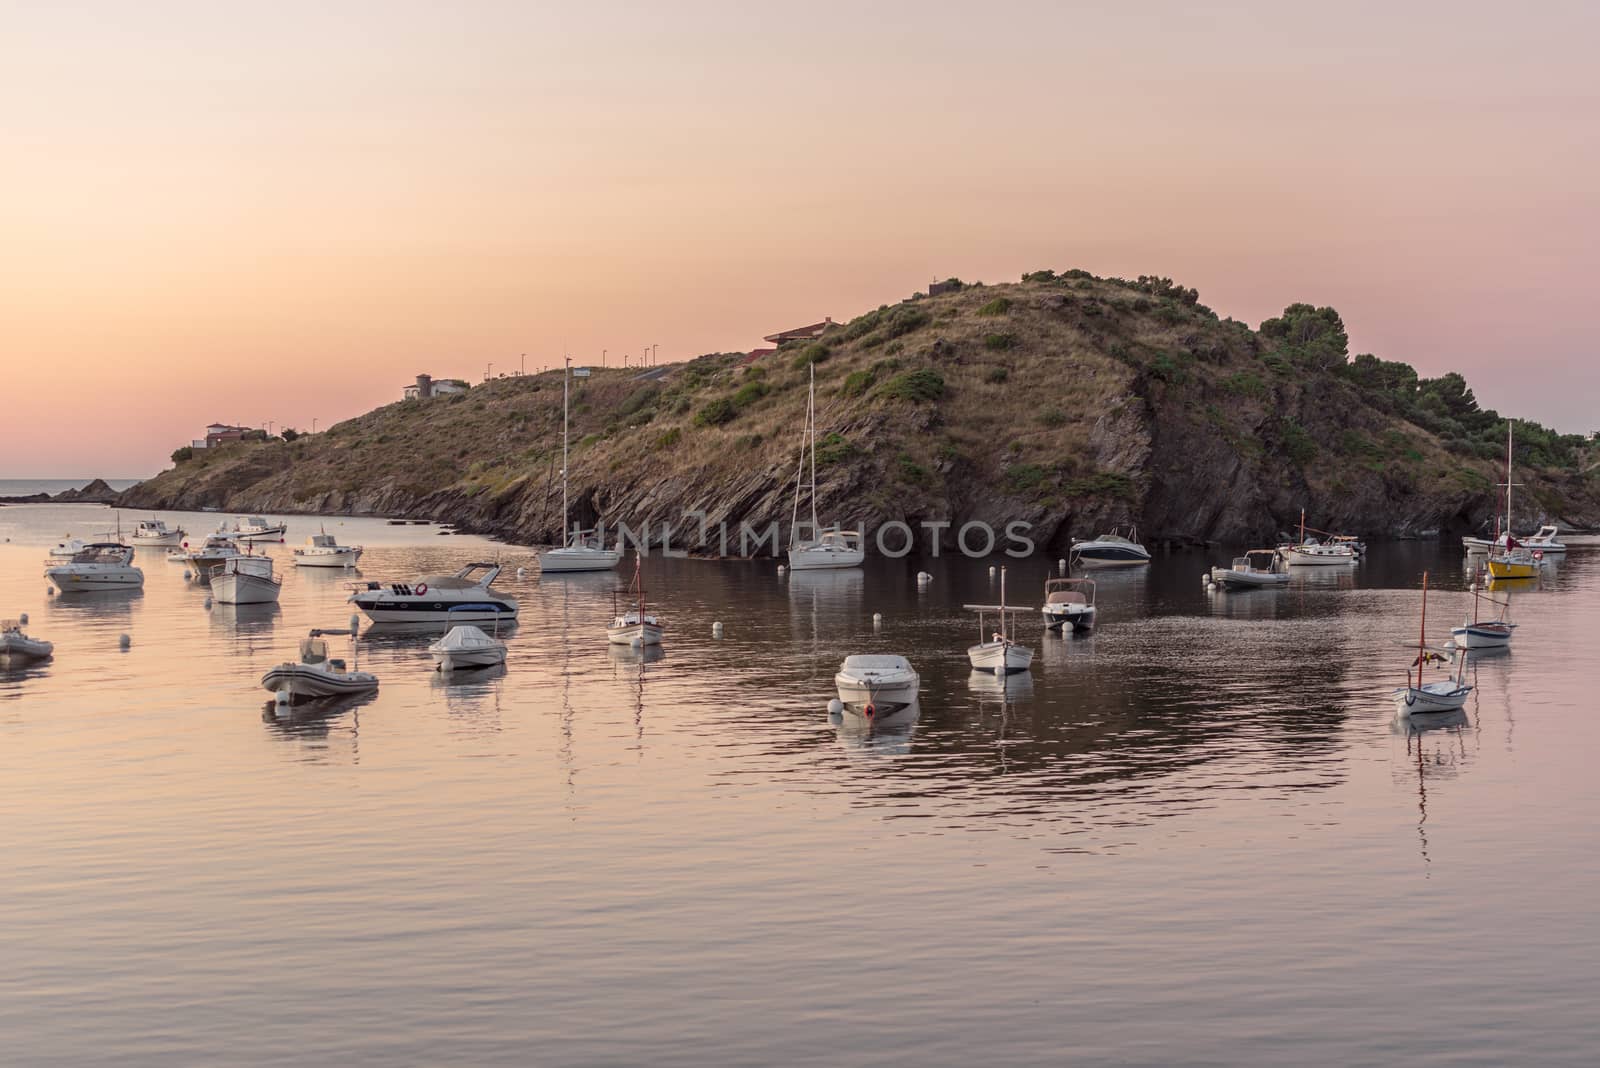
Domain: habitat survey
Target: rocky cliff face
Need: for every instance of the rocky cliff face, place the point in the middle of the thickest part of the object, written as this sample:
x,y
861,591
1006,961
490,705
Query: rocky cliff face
x,y
1069,403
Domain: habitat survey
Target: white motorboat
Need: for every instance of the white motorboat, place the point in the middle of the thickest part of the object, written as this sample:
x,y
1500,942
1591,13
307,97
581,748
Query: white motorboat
x,y
1111,550
1069,602
216,549
874,685
316,674
465,597
466,647
1476,633
245,580
99,566
1444,695
155,531
16,647
1255,569
68,548
998,652
1357,546
580,550
253,528
324,550
1547,541
634,626
833,548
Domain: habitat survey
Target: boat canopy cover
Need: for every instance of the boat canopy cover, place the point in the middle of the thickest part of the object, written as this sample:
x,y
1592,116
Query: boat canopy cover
x,y
875,662
465,636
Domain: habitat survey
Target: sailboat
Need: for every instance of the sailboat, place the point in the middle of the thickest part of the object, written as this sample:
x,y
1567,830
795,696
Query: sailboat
x,y
1484,634
999,652
1510,559
635,627
825,548
581,550
1310,551
1446,695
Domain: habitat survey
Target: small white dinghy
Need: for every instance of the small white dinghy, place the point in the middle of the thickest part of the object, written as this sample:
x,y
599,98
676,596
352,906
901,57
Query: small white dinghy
x,y
1069,602
17,648
245,579
1446,695
634,627
998,652
1255,569
324,550
1476,633
874,685
316,675
466,647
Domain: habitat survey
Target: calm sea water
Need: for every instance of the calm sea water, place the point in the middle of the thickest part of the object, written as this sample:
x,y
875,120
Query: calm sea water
x,y
1196,837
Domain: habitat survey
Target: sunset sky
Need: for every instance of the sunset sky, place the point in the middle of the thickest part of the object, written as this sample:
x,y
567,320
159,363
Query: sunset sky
x,y
217,211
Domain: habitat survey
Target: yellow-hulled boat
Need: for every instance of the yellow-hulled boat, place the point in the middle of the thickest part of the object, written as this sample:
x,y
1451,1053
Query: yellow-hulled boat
x,y
1517,564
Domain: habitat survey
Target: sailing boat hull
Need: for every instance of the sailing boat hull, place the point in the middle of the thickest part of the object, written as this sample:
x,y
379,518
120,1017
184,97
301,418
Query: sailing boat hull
x,y
557,561
820,558
634,634
1447,696
1000,658
1481,636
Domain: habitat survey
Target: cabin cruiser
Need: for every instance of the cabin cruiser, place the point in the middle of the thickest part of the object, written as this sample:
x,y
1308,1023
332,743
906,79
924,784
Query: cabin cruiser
x,y
324,550
16,647
1256,568
253,528
245,580
104,565
1112,550
464,597
582,552
874,685
316,674
154,531
830,549
466,647
1547,541
216,549
68,548
1068,602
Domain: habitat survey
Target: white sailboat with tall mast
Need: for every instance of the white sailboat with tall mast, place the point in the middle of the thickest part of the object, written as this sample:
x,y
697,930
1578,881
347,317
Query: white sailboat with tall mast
x,y
824,548
581,550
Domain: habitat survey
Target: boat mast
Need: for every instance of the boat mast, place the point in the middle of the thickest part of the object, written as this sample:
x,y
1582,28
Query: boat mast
x,y
1508,484
811,421
1422,635
1004,634
1302,526
800,471
566,377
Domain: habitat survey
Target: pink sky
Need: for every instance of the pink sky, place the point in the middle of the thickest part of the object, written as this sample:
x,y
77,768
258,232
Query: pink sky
x,y
217,212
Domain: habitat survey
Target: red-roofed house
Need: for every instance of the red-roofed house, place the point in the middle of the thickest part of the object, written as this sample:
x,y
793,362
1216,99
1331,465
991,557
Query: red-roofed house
x,y
800,333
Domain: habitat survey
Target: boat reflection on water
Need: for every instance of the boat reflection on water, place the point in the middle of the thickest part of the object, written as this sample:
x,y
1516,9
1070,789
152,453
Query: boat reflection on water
x,y
468,681
825,587
1321,578
630,654
887,735
316,719
1436,750
1262,602
1002,688
100,604
401,634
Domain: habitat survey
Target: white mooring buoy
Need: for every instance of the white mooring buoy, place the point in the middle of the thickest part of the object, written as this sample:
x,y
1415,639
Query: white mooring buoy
x,y
208,602
355,625
716,630
1061,565
123,641
877,619
924,577
835,707
782,569
187,575
991,572
23,619
522,572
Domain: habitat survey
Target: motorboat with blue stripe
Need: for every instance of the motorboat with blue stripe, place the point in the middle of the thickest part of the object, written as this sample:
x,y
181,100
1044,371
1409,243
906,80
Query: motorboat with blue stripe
x,y
465,597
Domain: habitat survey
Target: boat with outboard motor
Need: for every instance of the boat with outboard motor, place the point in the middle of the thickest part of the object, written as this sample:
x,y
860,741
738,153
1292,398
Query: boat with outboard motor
x,y
875,685
101,565
17,648
317,675
465,597
1069,602
1111,550
1255,569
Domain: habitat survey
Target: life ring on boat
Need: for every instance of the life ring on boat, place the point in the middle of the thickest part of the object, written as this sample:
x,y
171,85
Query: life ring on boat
x,y
422,589
1538,554
871,710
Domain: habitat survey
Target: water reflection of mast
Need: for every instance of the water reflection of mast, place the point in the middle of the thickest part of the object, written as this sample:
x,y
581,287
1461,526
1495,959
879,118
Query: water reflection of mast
x,y
565,749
